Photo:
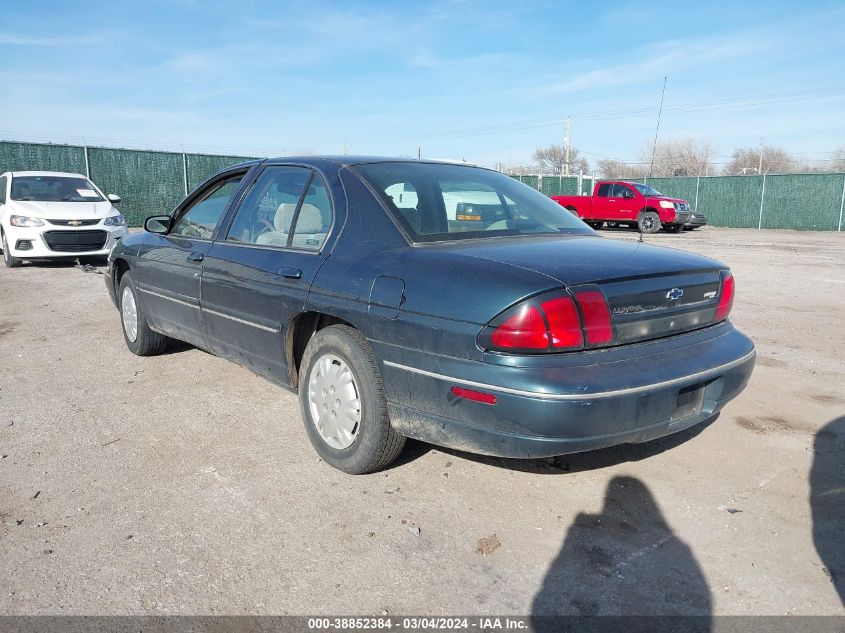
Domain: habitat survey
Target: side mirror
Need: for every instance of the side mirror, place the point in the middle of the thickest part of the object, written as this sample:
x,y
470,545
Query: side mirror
x,y
157,224
113,198
628,194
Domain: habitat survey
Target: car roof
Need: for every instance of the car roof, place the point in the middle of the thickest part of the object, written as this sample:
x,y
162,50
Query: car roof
x,y
364,159
45,173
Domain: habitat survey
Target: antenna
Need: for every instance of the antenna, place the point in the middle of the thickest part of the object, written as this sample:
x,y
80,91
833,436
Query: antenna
x,y
654,145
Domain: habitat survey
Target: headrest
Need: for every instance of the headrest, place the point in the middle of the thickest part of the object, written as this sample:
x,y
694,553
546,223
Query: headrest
x,y
283,216
310,220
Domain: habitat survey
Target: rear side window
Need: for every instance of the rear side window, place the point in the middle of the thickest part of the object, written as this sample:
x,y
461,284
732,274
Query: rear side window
x,y
604,190
287,207
2,189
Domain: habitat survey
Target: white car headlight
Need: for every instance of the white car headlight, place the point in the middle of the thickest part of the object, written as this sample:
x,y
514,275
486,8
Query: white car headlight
x,y
115,220
667,205
22,220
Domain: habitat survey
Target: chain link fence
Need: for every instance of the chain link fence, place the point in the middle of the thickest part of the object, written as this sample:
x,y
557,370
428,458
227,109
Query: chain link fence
x,y
153,182
149,182
803,202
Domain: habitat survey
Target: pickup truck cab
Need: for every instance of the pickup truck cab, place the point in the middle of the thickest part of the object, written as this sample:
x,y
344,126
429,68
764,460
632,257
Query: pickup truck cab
x,y
631,203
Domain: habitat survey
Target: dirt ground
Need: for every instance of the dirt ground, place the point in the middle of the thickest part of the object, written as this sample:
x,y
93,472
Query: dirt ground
x,y
183,484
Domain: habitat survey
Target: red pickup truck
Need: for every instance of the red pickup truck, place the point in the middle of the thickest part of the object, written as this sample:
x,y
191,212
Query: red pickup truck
x,y
631,203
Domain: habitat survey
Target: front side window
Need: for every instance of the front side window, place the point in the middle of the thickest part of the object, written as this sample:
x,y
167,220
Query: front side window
x,y
199,219
54,189
287,207
620,191
646,190
462,202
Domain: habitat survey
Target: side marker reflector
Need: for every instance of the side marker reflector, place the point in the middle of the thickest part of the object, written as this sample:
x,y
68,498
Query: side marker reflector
x,y
476,396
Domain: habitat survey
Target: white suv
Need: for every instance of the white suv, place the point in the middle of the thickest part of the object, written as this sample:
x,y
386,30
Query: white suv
x,y
48,215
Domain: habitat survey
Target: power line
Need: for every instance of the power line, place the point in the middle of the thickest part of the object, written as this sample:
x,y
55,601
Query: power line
x,y
605,115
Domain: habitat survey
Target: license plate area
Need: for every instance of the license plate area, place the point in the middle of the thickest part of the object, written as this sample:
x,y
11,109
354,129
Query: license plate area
x,y
690,402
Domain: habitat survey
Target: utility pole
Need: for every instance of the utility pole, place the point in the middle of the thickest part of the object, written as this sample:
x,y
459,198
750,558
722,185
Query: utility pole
x,y
567,144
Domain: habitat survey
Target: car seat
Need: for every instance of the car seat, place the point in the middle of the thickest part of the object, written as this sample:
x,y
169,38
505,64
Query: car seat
x,y
309,228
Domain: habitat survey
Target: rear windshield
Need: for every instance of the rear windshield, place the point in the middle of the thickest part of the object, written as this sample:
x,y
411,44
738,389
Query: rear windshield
x,y
54,189
437,202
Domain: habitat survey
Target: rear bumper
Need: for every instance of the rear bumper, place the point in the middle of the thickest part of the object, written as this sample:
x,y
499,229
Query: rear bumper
x,y
697,220
612,397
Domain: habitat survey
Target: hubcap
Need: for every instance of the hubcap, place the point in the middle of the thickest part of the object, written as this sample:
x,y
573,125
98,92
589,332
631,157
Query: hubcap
x,y
333,401
129,312
647,223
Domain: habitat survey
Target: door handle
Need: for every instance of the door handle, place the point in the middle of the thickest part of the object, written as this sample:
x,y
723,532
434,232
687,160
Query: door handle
x,y
196,257
289,273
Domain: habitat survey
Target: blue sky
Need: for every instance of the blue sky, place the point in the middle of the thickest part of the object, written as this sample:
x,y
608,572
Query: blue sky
x,y
484,80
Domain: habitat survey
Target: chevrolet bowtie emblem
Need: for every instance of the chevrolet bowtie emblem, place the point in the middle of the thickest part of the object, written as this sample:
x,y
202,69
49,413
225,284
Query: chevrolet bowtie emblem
x,y
74,222
674,294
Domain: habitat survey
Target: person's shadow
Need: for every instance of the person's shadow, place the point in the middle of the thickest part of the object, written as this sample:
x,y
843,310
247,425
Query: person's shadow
x,y
827,501
623,561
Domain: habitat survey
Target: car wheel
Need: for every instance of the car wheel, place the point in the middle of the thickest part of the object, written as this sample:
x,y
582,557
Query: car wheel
x,y
140,339
343,404
649,222
8,259
672,228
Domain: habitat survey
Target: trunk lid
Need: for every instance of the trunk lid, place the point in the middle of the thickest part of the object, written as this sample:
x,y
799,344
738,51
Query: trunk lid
x,y
651,291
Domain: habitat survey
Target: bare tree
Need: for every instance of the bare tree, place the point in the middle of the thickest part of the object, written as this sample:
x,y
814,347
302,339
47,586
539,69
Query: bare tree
x,y
764,159
616,169
551,160
837,162
681,157
519,170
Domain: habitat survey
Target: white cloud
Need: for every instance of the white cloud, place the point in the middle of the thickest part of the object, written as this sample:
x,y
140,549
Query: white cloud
x,y
7,39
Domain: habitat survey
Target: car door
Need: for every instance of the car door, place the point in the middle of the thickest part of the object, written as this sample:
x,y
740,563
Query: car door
x,y
624,196
603,204
257,274
169,266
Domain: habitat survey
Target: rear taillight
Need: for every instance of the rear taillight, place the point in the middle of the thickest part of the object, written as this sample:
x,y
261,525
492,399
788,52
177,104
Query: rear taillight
x,y
726,299
551,323
524,330
596,316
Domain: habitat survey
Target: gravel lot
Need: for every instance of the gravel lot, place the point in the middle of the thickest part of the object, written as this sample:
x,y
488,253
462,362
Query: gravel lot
x,y
184,484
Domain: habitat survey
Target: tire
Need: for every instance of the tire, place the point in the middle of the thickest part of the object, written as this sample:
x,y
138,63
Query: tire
x,y
673,228
145,342
649,222
8,259
338,363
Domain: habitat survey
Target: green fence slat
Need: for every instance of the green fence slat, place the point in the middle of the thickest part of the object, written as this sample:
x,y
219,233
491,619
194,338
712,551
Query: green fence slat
x,y
731,200
200,167
16,156
149,183
676,187
804,202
